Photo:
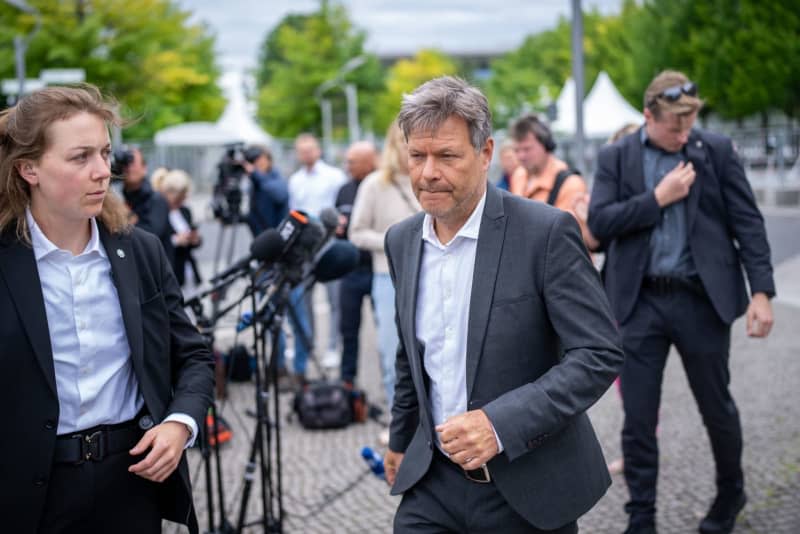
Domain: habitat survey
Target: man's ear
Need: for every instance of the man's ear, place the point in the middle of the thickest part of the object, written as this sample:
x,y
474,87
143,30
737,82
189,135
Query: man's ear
x,y
27,170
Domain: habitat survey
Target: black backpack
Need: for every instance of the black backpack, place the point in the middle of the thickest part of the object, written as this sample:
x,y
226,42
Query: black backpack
x,y
322,404
561,177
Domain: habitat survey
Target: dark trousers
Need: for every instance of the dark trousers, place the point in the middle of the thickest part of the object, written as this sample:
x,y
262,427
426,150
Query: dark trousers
x,y
354,287
100,497
446,501
686,319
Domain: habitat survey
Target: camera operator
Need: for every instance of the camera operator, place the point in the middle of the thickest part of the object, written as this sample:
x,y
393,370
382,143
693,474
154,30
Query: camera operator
x,y
149,210
227,201
269,193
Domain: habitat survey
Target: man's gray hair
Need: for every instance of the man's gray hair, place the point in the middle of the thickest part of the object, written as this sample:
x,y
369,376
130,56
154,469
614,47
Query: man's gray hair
x,y
435,101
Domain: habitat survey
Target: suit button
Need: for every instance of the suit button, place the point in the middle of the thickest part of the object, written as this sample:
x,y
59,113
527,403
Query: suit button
x,y
49,424
430,445
39,482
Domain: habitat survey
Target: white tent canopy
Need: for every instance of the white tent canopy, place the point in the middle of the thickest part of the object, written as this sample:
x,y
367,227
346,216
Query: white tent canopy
x,y
196,134
604,109
237,117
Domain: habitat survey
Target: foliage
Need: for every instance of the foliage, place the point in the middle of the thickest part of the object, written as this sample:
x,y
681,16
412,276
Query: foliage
x,y
143,52
404,76
302,53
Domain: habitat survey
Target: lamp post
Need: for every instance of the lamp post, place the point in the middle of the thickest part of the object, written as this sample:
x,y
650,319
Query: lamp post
x,y
21,43
577,75
351,96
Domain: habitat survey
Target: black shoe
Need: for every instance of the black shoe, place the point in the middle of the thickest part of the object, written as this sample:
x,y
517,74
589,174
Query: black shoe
x,y
722,515
641,527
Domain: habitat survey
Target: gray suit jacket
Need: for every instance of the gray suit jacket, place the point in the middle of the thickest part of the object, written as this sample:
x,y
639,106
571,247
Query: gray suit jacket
x,y
542,348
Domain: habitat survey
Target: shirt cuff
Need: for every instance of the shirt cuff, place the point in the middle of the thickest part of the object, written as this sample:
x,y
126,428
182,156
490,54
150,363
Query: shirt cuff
x,y
500,448
188,421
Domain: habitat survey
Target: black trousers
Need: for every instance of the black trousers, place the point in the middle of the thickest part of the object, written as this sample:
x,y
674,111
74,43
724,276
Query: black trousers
x,y
99,498
354,288
684,318
446,501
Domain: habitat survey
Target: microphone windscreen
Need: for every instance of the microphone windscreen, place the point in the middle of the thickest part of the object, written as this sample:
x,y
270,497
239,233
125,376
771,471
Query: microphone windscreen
x,y
329,217
267,246
340,258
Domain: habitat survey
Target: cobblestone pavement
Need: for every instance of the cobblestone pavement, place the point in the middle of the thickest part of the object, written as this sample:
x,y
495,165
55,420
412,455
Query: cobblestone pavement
x,y
318,464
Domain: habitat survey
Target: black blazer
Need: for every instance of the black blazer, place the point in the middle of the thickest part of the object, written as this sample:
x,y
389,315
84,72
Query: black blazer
x,y
172,363
541,349
726,229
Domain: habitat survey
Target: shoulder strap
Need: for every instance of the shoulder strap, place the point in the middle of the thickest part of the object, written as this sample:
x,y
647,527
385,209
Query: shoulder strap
x,y
561,177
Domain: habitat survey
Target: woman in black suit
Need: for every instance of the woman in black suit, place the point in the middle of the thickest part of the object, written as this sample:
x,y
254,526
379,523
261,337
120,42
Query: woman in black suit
x,y
110,379
175,186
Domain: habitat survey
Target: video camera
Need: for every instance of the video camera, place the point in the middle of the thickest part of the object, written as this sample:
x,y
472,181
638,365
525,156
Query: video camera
x,y
227,200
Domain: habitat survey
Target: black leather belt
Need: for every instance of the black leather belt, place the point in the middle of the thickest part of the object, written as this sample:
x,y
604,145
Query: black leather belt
x,y
668,284
96,443
480,475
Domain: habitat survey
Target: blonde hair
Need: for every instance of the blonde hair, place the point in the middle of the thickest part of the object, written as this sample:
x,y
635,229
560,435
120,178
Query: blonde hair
x,y
622,132
24,135
176,181
157,178
394,155
684,105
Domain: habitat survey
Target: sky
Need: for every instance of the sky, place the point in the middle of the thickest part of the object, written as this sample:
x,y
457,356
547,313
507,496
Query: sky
x,y
392,26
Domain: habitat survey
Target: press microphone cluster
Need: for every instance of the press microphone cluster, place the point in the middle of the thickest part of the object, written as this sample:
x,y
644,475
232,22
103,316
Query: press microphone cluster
x,y
374,461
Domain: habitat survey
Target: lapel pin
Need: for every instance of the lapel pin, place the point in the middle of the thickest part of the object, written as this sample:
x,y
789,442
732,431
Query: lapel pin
x,y
120,253
699,144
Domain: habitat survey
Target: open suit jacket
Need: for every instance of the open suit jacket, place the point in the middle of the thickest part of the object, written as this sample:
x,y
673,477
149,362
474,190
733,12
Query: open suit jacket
x,y
720,209
172,364
541,349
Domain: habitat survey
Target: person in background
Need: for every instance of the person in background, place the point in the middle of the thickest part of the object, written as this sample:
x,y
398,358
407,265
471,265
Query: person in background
x,y
148,209
682,226
508,164
360,159
113,379
384,199
312,188
269,192
544,177
175,186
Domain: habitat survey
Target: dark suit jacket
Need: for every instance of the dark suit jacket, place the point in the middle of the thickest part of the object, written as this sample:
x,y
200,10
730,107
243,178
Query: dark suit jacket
x,y
183,254
726,229
173,366
541,349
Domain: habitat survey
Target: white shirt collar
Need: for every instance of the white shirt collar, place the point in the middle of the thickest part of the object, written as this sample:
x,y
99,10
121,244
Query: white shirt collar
x,y
470,229
42,246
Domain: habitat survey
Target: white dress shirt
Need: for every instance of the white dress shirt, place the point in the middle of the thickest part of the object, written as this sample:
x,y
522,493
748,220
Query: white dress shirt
x,y
314,190
95,381
442,314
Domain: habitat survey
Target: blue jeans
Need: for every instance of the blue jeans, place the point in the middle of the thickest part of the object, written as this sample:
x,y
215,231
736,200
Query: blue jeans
x,y
299,326
383,298
352,290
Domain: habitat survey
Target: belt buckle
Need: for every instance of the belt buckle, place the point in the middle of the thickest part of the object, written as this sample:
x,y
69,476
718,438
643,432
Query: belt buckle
x,y
486,476
91,447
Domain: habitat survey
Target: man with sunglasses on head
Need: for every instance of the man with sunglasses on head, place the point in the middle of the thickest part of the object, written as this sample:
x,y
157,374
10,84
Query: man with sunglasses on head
x,y
681,221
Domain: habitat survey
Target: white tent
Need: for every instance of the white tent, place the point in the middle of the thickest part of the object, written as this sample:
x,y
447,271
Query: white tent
x,y
196,134
604,109
237,117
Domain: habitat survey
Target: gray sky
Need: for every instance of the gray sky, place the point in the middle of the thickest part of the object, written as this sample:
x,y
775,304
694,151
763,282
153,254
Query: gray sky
x,y
392,26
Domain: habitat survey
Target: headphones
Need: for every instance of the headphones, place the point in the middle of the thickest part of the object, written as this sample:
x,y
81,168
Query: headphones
x,y
532,124
120,159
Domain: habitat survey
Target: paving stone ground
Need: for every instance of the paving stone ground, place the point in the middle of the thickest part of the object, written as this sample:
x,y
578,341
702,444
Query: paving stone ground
x,y
317,465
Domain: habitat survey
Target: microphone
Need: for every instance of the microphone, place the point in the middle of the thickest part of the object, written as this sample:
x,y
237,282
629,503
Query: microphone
x,y
329,217
374,461
266,247
337,260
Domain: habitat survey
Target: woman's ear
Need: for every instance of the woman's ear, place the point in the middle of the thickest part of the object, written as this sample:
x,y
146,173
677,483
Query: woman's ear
x,y
27,170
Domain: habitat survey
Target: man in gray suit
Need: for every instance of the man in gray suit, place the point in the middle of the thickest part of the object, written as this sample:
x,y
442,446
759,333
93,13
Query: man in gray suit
x,y
506,339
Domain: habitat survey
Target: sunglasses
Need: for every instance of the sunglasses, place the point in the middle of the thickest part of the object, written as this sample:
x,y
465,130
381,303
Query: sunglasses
x,y
673,94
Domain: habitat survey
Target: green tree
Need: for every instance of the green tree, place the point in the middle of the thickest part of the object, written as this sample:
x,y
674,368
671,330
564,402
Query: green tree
x,y
404,76
143,52
302,53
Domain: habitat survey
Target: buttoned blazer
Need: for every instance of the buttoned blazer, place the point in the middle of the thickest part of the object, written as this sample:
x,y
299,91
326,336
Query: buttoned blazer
x,y
172,364
541,349
726,229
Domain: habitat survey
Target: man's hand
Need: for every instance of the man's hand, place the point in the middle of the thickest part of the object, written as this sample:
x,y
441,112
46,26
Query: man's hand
x,y
391,463
675,185
166,442
469,439
759,316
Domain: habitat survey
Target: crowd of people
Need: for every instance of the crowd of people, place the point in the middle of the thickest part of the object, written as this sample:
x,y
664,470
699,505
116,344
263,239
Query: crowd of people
x,y
495,329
